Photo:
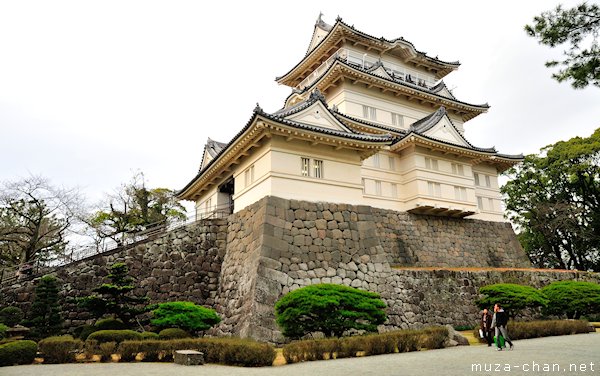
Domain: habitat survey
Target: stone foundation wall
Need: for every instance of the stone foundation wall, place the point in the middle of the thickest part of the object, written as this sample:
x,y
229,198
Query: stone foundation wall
x,y
243,264
184,264
425,241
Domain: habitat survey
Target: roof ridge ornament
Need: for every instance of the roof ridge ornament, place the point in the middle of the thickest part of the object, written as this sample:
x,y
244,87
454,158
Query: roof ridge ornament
x,y
258,109
316,95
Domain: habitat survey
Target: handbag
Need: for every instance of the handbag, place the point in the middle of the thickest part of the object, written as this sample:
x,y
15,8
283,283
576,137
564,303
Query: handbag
x,y
481,334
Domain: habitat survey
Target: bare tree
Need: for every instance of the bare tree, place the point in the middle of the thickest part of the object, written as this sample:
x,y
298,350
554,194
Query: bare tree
x,y
35,219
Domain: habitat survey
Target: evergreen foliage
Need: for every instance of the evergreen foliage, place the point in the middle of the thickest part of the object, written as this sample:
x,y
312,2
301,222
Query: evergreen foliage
x,y
330,309
115,298
512,297
44,315
184,315
554,199
576,27
11,316
572,298
17,352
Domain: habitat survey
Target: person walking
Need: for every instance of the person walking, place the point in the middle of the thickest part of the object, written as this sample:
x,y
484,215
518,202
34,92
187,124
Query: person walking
x,y
486,326
499,322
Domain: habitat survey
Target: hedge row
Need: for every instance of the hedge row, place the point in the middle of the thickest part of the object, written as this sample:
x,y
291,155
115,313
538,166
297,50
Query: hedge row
x,y
535,329
17,352
60,349
230,351
372,344
542,328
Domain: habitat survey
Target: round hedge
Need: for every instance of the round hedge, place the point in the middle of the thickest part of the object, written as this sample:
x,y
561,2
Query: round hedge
x,y
17,352
173,333
117,336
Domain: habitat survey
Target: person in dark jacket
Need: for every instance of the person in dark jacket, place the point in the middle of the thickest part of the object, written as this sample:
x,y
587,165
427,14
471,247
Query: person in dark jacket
x,y
499,322
486,326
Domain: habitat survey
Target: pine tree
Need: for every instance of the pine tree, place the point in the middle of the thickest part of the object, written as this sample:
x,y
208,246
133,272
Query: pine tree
x,y
114,298
44,315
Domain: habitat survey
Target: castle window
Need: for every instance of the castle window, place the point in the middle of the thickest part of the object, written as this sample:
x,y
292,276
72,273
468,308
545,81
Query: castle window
x,y
460,193
394,190
476,176
490,204
378,187
376,160
305,166
434,189
249,176
397,120
487,181
392,161
480,202
207,206
431,164
369,112
318,169
457,169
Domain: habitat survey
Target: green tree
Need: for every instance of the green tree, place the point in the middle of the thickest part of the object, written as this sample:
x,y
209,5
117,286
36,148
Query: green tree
x,y
554,199
115,299
44,316
572,298
134,208
184,315
579,28
11,316
514,298
330,309
35,218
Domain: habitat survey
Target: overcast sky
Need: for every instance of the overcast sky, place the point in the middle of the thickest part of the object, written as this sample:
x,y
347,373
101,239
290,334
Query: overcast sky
x,y
91,91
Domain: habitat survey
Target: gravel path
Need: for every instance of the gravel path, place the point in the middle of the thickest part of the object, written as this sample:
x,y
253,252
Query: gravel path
x,y
581,351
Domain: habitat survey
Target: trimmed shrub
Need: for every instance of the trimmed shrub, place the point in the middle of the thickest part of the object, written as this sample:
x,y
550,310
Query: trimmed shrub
x,y
106,349
572,298
109,324
44,315
184,315
434,337
512,297
60,349
173,333
535,329
117,336
149,336
17,352
316,349
84,331
11,316
230,351
3,329
330,309
371,344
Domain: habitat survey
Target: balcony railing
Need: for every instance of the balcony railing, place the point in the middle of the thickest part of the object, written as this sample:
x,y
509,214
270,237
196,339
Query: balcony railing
x,y
366,61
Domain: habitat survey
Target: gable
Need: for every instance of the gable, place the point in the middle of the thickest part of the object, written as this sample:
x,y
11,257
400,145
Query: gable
x,y
381,72
206,158
444,130
318,35
317,114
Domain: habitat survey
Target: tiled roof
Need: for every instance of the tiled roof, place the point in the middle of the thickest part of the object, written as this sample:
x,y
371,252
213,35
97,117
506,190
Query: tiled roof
x,y
214,147
395,81
339,21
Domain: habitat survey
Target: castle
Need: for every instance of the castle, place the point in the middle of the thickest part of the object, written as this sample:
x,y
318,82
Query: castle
x,y
364,178
370,122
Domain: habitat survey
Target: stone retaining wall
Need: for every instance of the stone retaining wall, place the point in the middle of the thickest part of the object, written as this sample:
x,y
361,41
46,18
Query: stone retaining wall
x,y
184,264
243,264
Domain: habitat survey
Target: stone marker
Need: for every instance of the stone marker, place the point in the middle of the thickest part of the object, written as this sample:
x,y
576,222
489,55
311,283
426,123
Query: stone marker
x,y
189,357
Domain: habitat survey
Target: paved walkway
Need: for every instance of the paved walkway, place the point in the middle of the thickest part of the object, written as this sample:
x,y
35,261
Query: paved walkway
x,y
582,350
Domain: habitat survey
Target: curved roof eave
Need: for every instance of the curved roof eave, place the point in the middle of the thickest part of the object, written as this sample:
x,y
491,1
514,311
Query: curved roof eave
x,y
394,42
481,107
